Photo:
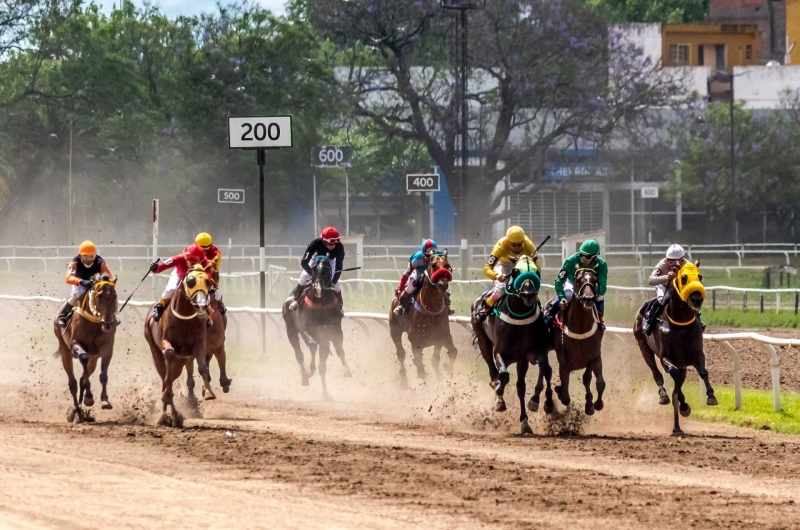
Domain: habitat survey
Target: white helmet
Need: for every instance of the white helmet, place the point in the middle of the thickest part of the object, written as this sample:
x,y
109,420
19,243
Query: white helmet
x,y
675,252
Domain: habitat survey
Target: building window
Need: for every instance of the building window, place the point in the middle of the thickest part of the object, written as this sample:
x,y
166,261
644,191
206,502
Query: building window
x,y
748,52
679,54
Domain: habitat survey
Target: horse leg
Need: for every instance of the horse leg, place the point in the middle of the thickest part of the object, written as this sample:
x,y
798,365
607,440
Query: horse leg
x,y
222,359
597,369
312,346
174,367
562,390
522,371
338,344
324,351
79,353
105,361
86,385
416,352
205,373
66,360
650,359
679,404
191,398
452,354
545,374
436,359
396,333
294,340
502,380
587,382
711,399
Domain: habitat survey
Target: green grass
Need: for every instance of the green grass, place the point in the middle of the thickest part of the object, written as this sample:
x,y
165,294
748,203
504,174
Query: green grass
x,y
751,319
757,411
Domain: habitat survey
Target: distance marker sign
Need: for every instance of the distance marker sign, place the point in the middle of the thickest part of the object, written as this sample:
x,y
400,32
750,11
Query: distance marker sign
x,y
233,196
332,156
422,182
259,132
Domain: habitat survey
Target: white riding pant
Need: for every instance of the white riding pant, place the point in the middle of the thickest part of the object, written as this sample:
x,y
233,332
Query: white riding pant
x,y
502,269
660,292
413,281
172,285
76,293
305,278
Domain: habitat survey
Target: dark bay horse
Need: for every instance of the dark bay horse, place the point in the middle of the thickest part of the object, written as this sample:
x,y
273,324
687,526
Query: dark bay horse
x,y
318,320
215,348
426,322
89,336
677,340
179,338
577,341
515,332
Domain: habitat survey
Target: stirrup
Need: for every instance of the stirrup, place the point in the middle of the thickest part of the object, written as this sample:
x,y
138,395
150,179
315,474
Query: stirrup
x,y
158,312
399,310
293,306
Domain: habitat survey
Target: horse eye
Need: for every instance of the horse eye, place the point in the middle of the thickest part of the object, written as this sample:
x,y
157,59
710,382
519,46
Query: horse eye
x,y
191,282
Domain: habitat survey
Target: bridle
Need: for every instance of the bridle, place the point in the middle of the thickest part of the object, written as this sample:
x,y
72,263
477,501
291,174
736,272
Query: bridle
x,y
199,307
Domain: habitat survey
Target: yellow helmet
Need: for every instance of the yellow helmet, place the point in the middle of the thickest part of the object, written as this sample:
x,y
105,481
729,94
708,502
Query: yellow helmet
x,y
203,239
515,235
87,248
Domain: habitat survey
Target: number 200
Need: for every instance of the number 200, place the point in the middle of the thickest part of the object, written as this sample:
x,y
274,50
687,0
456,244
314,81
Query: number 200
x,y
261,131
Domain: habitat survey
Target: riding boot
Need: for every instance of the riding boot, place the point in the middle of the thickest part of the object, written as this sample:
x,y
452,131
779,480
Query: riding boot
x,y
450,310
64,315
158,309
297,294
601,324
221,307
483,311
702,324
402,301
551,312
652,317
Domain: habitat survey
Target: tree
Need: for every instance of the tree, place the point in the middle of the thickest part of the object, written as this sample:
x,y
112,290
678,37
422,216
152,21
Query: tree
x,y
542,73
654,10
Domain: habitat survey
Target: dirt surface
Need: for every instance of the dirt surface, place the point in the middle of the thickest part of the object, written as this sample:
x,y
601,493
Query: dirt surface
x,y
272,454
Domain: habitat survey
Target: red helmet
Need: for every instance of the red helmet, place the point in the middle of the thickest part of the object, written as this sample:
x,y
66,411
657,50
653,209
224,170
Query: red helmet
x,y
195,254
330,235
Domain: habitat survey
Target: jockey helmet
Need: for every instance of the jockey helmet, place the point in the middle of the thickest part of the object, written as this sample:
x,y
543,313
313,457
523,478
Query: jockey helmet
x,y
515,235
203,239
675,252
428,247
590,248
330,235
195,254
87,248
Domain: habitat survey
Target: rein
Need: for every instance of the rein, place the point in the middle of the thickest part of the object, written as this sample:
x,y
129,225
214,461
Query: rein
x,y
174,303
90,313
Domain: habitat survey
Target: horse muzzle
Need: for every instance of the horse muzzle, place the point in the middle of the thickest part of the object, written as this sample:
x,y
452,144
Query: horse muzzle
x,y
107,327
695,302
442,285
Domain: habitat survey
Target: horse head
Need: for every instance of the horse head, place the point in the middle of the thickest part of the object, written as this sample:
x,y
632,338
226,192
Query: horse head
x,y
586,288
439,272
321,275
526,282
688,284
195,287
104,302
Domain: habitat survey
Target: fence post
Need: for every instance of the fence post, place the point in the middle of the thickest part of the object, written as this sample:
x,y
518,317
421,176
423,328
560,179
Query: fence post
x,y
714,300
777,302
728,307
796,301
761,301
737,375
744,301
775,363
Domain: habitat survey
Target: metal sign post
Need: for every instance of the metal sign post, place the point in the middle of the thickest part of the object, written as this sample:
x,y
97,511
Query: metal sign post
x,y
260,133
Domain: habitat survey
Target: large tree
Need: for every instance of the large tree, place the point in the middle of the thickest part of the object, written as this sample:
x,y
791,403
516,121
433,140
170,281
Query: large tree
x,y
543,73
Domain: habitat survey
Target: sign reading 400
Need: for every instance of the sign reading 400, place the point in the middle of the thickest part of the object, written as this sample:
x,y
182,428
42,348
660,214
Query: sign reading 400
x,y
259,132
422,182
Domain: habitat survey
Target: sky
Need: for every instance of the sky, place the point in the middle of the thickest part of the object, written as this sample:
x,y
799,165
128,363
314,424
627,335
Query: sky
x,y
193,7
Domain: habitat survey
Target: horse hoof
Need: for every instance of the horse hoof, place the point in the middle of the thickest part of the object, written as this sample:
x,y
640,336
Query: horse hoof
x,y
422,374
712,401
326,397
403,383
77,417
663,400
525,428
533,406
177,420
106,405
549,406
88,401
226,385
685,410
589,409
304,381
500,406
347,372
677,432
208,396
598,405
165,420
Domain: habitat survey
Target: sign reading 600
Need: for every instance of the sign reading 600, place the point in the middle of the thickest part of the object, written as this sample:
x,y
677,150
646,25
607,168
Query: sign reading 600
x,y
259,132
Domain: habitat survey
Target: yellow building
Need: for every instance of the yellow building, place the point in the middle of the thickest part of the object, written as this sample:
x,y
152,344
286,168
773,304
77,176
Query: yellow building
x,y
793,31
717,46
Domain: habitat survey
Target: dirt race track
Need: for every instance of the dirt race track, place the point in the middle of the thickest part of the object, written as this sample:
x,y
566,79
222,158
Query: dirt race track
x,y
270,454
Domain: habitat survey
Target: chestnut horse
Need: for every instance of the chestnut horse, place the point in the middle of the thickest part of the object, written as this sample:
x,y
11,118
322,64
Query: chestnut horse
x,y
515,332
677,341
426,322
89,336
577,341
180,337
318,320
215,348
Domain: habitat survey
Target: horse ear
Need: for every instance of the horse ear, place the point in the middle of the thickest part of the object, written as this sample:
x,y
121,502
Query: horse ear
x,y
114,281
697,263
191,282
445,253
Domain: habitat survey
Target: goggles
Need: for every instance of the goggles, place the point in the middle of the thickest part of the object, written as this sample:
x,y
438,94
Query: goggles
x,y
331,241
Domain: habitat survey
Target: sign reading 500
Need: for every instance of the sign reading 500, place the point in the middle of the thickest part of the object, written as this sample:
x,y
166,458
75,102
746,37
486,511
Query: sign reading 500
x,y
259,132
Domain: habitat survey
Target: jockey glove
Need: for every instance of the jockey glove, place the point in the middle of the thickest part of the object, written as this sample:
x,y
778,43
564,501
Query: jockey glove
x,y
154,266
86,283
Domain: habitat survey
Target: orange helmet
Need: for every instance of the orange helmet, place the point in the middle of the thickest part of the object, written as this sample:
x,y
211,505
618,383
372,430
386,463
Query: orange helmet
x,y
87,247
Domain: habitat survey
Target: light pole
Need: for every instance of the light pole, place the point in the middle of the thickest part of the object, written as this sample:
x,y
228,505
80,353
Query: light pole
x,y
463,6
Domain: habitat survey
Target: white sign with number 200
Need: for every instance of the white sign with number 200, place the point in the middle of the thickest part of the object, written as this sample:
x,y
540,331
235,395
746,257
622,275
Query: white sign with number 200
x,y
259,132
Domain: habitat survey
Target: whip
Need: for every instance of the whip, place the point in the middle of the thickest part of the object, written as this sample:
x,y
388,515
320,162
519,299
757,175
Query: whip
x,y
140,283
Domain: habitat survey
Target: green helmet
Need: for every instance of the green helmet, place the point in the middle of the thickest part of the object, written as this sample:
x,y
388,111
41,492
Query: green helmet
x,y
590,247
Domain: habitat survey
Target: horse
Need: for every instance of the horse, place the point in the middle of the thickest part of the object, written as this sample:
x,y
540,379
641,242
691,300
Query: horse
x,y
318,320
426,322
578,342
180,337
677,341
89,336
215,348
515,332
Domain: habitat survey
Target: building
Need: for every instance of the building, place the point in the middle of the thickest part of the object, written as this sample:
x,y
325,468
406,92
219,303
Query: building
x,y
770,18
716,46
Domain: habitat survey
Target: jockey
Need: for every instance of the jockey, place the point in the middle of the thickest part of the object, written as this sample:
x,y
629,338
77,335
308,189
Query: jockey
x,y
330,246
410,282
180,266
81,273
666,270
214,257
587,257
505,254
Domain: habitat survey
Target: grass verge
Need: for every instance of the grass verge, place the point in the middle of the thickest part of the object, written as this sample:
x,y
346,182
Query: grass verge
x,y
757,411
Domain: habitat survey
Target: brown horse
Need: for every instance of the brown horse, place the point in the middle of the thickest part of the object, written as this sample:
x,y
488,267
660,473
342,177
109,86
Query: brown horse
x,y
677,341
426,322
89,336
215,348
578,341
180,337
